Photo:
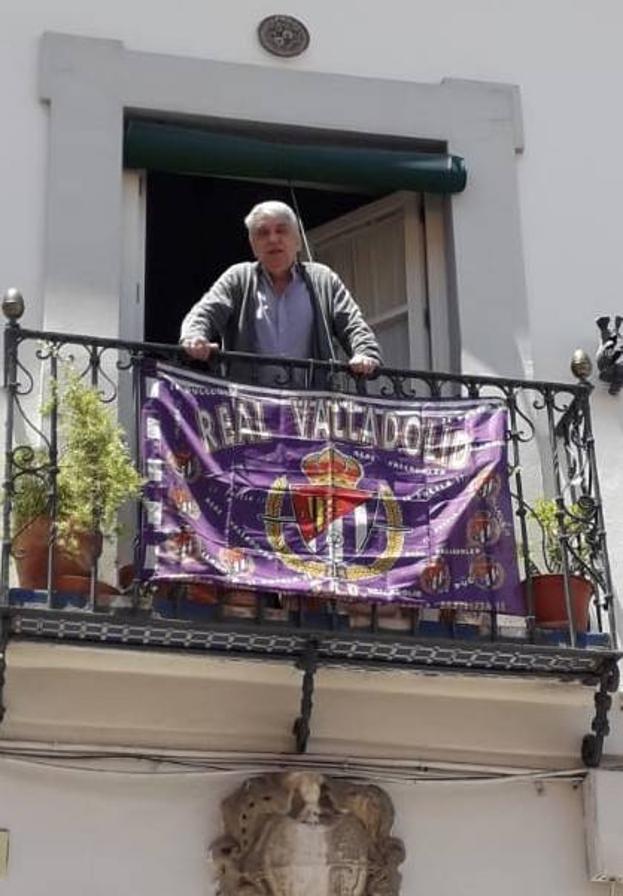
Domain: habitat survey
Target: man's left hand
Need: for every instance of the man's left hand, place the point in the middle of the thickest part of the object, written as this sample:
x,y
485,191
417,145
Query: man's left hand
x,y
362,365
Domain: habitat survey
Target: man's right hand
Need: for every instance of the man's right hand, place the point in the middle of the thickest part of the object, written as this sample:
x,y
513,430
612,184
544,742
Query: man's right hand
x,y
199,349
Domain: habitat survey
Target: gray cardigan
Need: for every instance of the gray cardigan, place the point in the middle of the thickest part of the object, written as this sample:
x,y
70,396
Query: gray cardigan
x,y
226,313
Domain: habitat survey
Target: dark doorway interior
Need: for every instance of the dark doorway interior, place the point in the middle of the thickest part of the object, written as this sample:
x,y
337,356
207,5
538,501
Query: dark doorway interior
x,y
195,231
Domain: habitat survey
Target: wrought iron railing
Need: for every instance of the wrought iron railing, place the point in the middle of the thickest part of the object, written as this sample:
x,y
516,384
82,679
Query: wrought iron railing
x,y
550,451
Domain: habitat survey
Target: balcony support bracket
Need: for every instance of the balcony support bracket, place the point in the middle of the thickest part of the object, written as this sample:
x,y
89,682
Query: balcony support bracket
x,y
593,744
308,664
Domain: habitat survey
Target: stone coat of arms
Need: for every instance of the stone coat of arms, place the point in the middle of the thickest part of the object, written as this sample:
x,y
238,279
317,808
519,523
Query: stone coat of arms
x,y
304,834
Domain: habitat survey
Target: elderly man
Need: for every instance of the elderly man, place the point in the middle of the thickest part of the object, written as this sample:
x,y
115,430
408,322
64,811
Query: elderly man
x,y
278,306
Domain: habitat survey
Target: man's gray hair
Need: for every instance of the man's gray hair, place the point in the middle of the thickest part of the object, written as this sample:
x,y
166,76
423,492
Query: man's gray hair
x,y
270,209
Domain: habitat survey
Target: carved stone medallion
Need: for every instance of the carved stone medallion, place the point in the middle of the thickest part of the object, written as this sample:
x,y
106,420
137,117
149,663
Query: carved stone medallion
x,y
303,834
283,35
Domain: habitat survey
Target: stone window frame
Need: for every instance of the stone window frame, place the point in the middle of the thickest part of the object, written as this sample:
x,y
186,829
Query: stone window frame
x,y
90,84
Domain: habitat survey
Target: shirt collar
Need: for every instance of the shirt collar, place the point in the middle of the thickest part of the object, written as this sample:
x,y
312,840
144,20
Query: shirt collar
x,y
295,274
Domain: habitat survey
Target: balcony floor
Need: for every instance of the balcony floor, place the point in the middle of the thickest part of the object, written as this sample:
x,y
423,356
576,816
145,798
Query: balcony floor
x,y
433,648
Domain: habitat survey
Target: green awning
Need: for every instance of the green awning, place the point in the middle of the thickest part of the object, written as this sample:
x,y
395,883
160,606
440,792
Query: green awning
x,y
158,146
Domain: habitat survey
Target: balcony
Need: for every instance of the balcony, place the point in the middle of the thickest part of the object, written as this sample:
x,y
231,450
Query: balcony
x,y
549,449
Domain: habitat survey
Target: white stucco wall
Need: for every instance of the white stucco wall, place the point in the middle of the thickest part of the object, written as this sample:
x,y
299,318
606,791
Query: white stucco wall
x,y
147,834
564,57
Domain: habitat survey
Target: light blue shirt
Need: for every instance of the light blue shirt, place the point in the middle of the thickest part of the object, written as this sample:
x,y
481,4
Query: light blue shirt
x,y
284,324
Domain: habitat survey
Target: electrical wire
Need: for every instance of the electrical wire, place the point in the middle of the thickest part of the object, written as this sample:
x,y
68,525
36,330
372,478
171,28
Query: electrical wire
x,y
297,212
318,303
170,764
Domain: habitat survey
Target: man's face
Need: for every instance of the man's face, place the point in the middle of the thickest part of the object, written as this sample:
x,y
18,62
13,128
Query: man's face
x,y
275,243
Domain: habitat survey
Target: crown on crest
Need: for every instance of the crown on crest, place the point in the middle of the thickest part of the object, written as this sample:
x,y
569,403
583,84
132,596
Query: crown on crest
x,y
331,467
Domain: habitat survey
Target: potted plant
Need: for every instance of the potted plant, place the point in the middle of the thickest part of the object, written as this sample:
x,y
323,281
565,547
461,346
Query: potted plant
x,y
548,587
95,475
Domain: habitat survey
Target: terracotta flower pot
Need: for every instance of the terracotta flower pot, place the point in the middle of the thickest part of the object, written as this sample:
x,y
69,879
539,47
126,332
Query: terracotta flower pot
x,y
81,585
202,593
126,576
388,616
239,603
548,596
30,550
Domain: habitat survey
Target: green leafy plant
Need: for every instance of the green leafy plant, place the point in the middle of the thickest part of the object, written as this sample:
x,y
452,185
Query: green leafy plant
x,y
577,527
95,473
31,488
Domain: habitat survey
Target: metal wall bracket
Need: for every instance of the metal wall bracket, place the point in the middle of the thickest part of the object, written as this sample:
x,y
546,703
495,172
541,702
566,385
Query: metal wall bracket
x,y
593,744
308,664
610,353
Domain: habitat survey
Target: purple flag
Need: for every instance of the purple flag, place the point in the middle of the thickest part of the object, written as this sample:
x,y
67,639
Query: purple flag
x,y
327,494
